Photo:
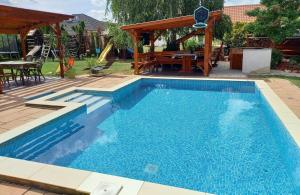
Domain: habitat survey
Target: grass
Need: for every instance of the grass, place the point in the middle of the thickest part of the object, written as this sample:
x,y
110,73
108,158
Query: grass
x,y
82,67
294,80
124,67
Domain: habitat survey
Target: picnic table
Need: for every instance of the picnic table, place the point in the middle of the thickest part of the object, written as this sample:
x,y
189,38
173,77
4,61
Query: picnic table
x,y
186,61
21,66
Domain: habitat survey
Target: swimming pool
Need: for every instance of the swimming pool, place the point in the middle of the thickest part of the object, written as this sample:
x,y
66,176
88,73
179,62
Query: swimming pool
x,y
214,136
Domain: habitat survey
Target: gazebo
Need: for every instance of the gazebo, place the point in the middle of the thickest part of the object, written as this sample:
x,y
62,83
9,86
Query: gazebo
x,y
20,21
157,27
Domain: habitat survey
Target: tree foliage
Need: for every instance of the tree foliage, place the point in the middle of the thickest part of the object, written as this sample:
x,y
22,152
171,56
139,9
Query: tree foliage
x,y
136,11
119,38
237,37
79,28
222,27
278,20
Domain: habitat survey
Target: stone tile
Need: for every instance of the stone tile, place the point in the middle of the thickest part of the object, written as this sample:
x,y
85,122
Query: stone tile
x,y
129,186
3,129
60,176
35,192
157,189
14,124
12,189
288,93
19,168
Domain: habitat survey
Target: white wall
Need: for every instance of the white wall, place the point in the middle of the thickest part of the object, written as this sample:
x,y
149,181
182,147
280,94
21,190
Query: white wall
x,y
257,60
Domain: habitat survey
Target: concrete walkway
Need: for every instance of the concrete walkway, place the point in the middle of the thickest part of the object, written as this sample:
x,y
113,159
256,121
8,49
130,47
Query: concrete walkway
x,y
288,93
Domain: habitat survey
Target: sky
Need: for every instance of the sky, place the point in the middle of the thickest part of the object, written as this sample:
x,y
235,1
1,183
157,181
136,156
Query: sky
x,y
93,8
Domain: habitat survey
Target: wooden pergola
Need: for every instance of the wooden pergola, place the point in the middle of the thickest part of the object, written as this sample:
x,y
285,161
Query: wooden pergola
x,y
20,21
156,27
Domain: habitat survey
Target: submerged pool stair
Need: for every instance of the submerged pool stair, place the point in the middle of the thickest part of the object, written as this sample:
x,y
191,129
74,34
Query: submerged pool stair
x,y
38,145
91,101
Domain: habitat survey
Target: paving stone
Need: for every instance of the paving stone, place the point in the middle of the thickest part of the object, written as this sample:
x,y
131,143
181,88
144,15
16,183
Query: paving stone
x,y
12,189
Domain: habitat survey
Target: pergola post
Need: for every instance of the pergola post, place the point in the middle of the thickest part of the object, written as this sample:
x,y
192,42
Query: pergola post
x,y
152,47
135,37
59,45
23,35
207,48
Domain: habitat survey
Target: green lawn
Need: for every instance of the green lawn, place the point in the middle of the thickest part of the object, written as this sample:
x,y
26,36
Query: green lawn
x,y
294,80
82,67
123,67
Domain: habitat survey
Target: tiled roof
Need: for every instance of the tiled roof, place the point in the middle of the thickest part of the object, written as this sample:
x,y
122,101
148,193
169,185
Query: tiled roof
x,y
237,13
91,24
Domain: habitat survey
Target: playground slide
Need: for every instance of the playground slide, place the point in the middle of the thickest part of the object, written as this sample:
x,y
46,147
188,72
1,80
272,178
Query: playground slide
x,y
104,53
34,50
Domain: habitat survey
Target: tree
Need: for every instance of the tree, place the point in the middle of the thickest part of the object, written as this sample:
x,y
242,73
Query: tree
x,y
79,28
133,11
222,27
278,20
119,38
237,37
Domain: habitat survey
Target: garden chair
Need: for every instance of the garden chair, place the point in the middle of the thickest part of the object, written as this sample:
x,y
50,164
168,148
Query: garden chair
x,y
37,71
5,77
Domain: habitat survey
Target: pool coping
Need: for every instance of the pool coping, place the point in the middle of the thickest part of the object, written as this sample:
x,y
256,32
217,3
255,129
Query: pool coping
x,y
87,181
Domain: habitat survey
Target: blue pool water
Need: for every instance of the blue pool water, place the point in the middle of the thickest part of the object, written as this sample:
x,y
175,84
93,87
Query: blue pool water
x,y
213,136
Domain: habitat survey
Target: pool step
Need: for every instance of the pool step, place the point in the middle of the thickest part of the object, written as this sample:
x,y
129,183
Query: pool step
x,y
98,104
69,98
92,102
37,146
81,98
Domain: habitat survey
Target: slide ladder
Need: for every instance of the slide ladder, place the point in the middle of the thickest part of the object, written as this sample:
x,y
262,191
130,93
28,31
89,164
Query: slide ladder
x,y
105,52
46,48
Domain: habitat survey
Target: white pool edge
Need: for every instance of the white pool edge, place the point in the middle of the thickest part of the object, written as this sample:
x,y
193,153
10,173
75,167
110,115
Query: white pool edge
x,y
86,181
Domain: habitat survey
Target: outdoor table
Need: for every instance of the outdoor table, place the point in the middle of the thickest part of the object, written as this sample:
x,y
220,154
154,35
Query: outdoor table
x,y
186,61
22,66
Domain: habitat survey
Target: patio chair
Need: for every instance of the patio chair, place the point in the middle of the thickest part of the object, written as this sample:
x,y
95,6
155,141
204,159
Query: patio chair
x,y
5,77
37,71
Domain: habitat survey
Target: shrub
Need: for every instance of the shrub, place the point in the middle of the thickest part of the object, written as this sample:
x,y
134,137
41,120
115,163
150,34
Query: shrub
x,y
237,37
276,58
295,61
191,45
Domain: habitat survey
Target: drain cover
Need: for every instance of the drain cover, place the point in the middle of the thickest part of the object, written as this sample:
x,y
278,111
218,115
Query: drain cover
x,y
151,169
107,189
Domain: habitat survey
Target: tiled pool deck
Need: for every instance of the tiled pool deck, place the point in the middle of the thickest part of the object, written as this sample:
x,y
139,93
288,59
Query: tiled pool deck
x,y
13,116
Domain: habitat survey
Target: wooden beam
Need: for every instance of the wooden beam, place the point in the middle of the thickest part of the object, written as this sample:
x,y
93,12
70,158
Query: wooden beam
x,y
32,15
9,31
186,37
135,38
14,20
23,35
152,40
178,22
60,48
208,47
